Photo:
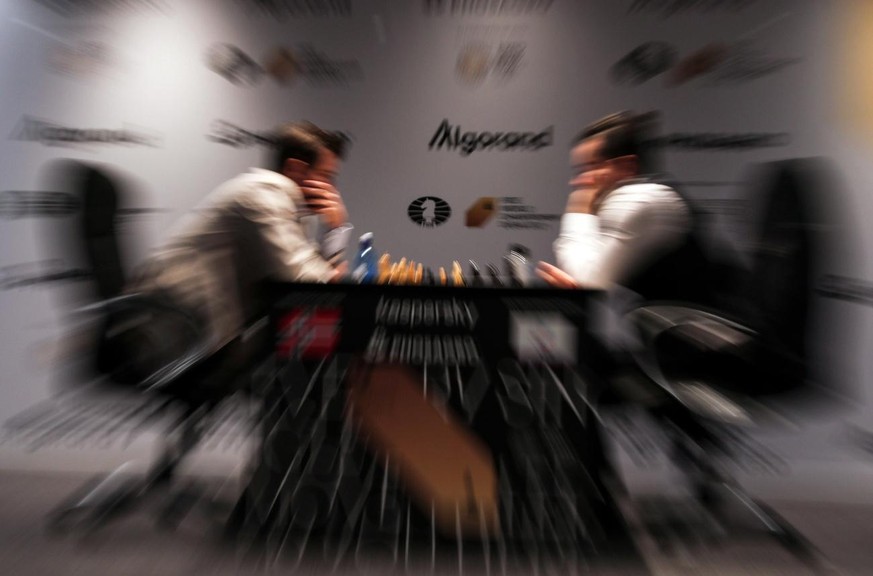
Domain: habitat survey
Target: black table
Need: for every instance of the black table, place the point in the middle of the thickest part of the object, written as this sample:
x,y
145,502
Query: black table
x,y
479,401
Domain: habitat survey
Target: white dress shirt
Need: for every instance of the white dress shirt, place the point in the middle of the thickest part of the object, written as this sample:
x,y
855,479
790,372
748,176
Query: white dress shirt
x,y
635,224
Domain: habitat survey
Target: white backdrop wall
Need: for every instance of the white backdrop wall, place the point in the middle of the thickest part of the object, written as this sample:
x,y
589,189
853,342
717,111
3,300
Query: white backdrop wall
x,y
388,73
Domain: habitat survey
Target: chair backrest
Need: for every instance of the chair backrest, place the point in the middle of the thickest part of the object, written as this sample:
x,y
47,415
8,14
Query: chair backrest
x,y
99,197
800,227
785,255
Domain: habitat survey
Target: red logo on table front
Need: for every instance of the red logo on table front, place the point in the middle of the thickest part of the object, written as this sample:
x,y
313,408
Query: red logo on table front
x,y
309,334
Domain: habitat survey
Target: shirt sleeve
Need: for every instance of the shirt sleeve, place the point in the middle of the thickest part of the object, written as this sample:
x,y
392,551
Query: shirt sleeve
x,y
599,252
335,242
285,249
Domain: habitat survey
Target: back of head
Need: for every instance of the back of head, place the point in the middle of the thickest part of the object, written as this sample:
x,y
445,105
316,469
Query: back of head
x,y
303,141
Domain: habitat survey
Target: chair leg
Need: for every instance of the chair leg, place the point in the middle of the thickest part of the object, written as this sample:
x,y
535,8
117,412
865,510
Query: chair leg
x,y
790,538
110,496
710,487
120,491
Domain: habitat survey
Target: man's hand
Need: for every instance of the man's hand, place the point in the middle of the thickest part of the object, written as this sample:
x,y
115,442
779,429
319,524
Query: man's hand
x,y
555,276
324,200
340,271
581,200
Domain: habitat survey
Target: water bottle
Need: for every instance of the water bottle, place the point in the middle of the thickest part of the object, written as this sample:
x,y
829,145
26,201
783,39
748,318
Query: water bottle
x,y
365,268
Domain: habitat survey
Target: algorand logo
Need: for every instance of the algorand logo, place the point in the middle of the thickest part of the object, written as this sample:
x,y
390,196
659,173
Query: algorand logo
x,y
452,138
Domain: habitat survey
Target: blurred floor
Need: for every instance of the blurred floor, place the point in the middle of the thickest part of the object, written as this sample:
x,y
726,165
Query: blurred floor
x,y
134,545
825,492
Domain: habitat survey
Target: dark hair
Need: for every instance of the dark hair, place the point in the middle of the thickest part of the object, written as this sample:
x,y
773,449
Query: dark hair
x,y
303,142
624,134
293,141
619,132
336,142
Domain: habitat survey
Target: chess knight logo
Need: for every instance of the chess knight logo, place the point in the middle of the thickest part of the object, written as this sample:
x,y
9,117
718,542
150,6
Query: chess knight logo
x,y
429,211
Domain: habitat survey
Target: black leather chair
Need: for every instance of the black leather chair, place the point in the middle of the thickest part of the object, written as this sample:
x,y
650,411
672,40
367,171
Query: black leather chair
x,y
726,371
144,345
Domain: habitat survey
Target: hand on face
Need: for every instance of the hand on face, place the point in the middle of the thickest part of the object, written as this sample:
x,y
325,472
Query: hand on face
x,y
323,199
556,277
592,176
582,199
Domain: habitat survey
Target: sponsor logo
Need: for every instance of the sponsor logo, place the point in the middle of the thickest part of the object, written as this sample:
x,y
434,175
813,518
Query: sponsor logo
x,y
16,204
480,212
429,211
424,331
486,7
845,288
283,65
233,65
89,7
51,134
282,9
321,69
721,141
543,337
453,139
474,62
47,271
718,63
477,61
643,63
667,8
309,333
511,212
229,134
731,207
84,58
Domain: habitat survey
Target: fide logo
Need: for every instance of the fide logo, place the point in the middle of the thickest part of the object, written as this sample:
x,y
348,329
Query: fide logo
x,y
429,211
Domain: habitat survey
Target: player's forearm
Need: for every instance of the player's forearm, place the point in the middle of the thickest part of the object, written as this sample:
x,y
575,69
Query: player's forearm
x,y
578,248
